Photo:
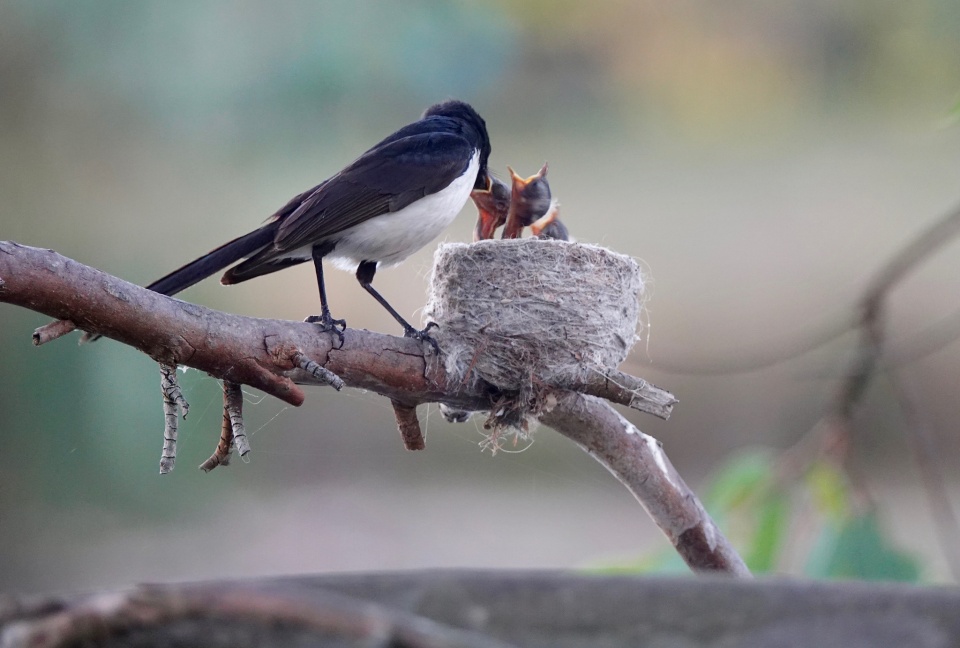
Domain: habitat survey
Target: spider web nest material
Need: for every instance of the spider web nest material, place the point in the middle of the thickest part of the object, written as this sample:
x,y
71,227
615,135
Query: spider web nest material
x,y
525,315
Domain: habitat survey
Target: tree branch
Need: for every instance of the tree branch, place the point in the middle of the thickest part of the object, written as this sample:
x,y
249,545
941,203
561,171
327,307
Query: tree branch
x,y
833,429
639,462
274,356
271,355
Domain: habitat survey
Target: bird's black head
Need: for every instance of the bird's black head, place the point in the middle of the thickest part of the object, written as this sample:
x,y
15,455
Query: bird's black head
x,y
473,128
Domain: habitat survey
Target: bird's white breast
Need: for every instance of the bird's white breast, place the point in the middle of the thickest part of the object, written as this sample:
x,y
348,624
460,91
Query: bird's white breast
x,y
391,238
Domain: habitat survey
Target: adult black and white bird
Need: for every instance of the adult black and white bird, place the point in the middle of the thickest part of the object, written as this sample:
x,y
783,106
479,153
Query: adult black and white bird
x,y
377,211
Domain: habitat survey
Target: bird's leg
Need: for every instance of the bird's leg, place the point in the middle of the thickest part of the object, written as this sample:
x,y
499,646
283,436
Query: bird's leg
x,y
365,272
325,319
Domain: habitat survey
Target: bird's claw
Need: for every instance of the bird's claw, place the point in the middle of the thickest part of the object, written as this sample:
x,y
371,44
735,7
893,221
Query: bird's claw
x,y
328,324
423,335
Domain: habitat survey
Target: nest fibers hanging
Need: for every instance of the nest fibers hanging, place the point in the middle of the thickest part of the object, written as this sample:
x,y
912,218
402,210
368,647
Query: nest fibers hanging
x,y
527,314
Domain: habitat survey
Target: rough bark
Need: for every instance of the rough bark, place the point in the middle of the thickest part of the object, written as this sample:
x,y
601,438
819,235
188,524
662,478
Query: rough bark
x,y
275,355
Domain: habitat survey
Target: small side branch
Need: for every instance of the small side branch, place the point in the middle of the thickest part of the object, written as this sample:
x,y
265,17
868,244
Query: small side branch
x,y
172,399
233,433
221,456
409,425
233,407
832,431
52,331
635,393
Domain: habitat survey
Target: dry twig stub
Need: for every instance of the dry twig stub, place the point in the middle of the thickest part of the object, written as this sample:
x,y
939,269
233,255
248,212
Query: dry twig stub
x,y
408,425
172,399
221,456
233,407
53,331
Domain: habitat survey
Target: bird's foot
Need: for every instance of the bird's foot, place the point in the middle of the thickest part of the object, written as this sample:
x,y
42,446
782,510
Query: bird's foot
x,y
329,325
423,335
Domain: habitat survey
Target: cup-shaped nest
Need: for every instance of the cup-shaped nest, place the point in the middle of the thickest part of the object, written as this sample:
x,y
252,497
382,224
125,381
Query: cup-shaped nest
x,y
527,313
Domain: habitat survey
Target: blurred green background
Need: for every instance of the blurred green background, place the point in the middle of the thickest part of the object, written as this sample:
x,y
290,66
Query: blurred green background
x,y
761,159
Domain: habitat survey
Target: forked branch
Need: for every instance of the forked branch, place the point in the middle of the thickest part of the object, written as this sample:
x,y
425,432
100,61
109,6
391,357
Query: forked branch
x,y
275,356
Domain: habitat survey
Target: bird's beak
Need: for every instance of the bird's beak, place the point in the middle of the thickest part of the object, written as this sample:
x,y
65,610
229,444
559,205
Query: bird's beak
x,y
520,183
492,204
487,187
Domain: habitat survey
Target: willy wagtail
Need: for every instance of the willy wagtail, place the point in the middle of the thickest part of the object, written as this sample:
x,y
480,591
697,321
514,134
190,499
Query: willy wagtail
x,y
380,209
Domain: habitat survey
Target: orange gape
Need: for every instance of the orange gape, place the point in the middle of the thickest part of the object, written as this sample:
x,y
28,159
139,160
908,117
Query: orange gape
x,y
527,203
492,203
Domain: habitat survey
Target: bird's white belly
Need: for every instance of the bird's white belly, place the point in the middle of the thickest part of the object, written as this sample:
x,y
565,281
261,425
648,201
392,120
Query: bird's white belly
x,y
391,238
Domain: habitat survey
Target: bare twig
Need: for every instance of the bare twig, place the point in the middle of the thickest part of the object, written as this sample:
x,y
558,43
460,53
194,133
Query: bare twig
x,y
931,474
873,307
171,388
221,456
233,407
834,427
929,340
408,425
930,240
755,358
635,393
232,429
52,331
172,399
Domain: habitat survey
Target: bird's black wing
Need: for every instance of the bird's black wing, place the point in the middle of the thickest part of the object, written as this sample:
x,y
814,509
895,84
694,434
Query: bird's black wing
x,y
385,179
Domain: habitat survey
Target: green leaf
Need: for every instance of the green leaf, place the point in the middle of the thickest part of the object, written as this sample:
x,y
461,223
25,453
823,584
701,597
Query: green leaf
x,y
746,500
953,117
743,477
857,548
771,526
818,562
829,491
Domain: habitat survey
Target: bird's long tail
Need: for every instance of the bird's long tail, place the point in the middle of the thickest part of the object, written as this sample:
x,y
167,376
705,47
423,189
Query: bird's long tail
x,y
214,261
